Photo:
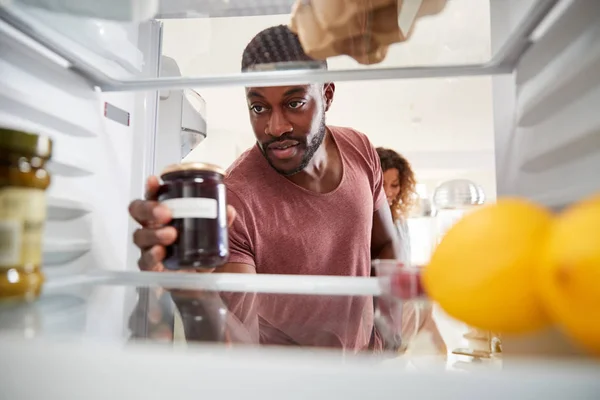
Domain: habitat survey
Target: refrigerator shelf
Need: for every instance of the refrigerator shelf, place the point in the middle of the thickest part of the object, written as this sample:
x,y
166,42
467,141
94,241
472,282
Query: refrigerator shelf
x,y
503,61
261,283
21,104
61,209
58,253
67,169
66,371
59,314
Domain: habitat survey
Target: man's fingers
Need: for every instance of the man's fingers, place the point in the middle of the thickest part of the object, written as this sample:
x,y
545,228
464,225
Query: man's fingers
x,y
151,260
149,213
146,238
230,215
152,186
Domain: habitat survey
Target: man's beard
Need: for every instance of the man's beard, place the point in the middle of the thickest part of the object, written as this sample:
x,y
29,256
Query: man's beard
x,y
311,149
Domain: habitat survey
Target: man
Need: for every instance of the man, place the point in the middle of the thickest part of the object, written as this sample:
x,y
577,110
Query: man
x,y
308,200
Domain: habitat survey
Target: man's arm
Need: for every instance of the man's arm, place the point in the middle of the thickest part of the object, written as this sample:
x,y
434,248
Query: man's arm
x,y
385,242
236,268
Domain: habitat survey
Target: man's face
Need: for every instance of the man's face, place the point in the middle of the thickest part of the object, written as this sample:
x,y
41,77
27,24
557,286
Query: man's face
x,y
289,123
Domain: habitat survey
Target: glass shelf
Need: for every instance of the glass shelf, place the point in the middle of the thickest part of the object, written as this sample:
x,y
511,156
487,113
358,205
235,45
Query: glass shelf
x,y
206,39
343,314
319,340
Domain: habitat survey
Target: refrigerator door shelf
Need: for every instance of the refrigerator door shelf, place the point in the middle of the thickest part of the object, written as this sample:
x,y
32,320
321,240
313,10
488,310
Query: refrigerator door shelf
x,y
110,46
67,169
23,109
61,209
63,252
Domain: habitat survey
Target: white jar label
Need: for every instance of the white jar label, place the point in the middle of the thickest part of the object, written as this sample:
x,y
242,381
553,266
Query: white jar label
x,y
22,217
192,207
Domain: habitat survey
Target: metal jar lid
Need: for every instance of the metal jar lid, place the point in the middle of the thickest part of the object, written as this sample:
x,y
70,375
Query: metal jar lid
x,y
193,166
28,144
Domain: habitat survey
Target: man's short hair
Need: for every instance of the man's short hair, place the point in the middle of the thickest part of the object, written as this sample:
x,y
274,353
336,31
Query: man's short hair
x,y
275,45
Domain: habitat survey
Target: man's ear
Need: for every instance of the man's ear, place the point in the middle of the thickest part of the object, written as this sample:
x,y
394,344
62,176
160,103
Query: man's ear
x,y
328,92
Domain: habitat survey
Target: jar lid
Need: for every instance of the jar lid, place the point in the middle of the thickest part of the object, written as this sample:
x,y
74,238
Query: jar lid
x,y
193,166
25,143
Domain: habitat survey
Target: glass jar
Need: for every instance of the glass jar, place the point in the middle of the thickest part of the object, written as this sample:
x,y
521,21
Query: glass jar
x,y
195,194
23,184
452,200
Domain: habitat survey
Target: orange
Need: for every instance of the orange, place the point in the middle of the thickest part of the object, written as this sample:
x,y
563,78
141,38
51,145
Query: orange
x,y
569,276
483,270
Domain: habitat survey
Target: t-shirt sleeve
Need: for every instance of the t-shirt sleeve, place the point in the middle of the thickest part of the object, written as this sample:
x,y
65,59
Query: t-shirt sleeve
x,y
241,247
379,198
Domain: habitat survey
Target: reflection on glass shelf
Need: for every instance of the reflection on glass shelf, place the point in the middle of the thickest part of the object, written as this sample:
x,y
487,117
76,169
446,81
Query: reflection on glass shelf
x,y
181,313
54,315
207,38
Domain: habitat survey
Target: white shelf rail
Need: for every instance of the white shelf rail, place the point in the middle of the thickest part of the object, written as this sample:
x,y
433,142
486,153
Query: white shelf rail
x,y
252,283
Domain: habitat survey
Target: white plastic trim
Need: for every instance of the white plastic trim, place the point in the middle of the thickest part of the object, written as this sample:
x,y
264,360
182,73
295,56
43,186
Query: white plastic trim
x,y
69,370
259,283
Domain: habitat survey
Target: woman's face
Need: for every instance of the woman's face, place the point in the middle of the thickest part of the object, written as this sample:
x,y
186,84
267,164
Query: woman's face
x,y
391,184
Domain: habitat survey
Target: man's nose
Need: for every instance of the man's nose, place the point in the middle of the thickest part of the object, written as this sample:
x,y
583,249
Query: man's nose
x,y
278,124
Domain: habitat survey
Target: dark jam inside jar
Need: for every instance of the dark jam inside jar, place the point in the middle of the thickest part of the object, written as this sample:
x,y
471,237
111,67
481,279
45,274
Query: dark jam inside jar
x,y
195,194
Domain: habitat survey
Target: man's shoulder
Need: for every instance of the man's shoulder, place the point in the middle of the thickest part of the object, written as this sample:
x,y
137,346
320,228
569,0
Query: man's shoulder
x,y
353,143
352,137
242,166
348,133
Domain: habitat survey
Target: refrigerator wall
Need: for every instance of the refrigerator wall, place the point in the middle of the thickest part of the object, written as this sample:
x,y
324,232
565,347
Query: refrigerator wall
x,y
546,114
103,143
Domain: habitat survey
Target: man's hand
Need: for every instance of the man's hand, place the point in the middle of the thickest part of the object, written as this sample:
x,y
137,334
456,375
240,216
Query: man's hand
x,y
155,235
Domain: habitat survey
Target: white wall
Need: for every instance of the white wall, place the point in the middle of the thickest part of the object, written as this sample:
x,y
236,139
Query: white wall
x,y
443,126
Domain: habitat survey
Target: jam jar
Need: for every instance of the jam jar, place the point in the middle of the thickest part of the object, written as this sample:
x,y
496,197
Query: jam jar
x,y
195,194
23,184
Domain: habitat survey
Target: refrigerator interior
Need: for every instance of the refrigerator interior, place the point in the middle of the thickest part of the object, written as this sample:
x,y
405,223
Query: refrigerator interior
x,y
104,113
95,87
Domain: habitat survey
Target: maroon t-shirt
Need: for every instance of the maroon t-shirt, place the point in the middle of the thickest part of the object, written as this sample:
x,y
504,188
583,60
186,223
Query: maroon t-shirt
x,y
282,228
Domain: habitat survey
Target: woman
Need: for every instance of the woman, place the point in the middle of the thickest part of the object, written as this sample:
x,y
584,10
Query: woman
x,y
399,185
400,188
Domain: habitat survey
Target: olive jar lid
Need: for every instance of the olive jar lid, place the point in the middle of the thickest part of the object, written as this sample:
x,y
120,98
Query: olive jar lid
x,y
25,143
193,166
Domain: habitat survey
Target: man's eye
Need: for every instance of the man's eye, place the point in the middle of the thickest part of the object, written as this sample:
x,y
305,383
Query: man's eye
x,y
257,109
295,104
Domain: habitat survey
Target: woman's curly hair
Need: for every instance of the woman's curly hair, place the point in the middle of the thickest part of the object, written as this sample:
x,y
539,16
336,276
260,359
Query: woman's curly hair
x,y
403,203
